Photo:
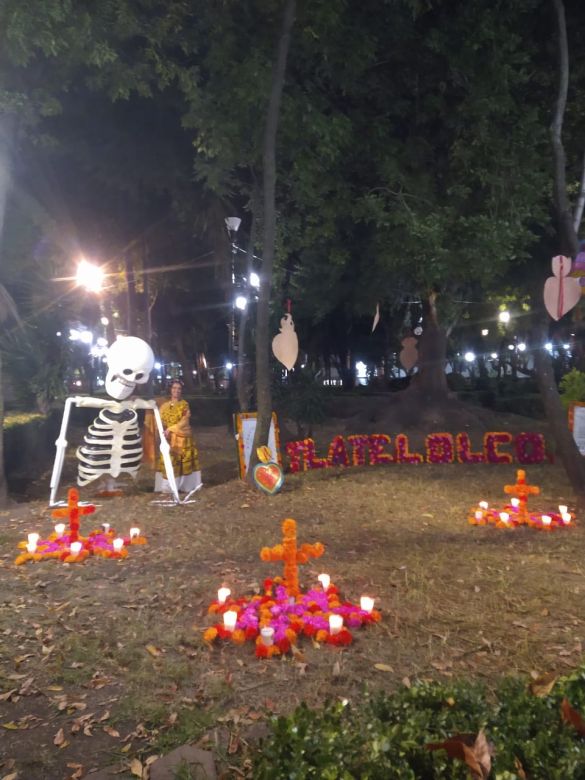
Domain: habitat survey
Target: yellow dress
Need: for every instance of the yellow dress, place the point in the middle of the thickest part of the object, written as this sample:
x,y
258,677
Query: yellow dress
x,y
175,417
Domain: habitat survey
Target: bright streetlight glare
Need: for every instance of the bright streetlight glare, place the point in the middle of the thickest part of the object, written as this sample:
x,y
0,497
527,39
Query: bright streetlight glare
x,y
521,347
548,346
504,317
105,321
485,332
241,302
229,366
511,346
86,337
89,276
157,366
73,335
255,280
494,355
469,356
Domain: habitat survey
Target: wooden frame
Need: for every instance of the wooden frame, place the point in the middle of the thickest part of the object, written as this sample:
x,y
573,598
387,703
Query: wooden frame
x,y
245,427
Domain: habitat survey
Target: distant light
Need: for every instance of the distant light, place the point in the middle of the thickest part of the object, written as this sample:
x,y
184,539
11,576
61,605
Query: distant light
x,y
229,366
548,346
73,335
78,383
511,346
86,337
504,316
566,346
105,321
469,356
168,376
241,302
485,332
157,366
194,371
494,355
102,342
302,365
255,280
116,314
58,333
362,369
89,276
233,224
521,347
100,382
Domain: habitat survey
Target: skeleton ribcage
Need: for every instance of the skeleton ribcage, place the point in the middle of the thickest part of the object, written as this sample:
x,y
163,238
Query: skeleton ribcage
x,y
112,445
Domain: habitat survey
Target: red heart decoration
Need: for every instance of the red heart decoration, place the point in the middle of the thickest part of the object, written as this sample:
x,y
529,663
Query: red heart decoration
x,y
268,477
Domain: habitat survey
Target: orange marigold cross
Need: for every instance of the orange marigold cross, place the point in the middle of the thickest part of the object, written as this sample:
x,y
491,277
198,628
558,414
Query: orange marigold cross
x,y
291,554
521,490
72,512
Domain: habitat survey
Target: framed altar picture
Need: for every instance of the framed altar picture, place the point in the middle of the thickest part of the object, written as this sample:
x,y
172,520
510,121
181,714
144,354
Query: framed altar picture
x,y
577,424
245,425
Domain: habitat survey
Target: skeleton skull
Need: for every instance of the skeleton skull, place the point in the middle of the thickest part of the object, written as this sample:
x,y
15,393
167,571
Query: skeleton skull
x,y
130,361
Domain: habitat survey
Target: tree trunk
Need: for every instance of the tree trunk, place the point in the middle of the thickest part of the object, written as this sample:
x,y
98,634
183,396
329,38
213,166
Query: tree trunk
x,y
243,374
3,484
573,462
263,391
430,382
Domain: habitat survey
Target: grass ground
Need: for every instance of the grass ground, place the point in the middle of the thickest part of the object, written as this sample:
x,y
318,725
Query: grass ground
x,y
104,663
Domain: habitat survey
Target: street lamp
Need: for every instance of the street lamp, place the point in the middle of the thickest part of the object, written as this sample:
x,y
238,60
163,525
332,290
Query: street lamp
x,y
504,317
241,302
89,276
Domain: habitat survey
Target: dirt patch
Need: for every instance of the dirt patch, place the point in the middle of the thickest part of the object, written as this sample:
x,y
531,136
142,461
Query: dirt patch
x,y
120,643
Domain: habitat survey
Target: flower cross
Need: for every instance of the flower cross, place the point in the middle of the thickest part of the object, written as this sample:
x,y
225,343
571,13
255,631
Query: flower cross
x,y
72,512
292,555
521,490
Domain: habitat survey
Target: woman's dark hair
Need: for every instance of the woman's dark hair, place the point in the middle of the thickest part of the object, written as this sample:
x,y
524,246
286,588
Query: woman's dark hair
x,y
174,382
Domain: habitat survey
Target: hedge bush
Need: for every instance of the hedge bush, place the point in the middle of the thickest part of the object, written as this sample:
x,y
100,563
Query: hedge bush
x,y
385,737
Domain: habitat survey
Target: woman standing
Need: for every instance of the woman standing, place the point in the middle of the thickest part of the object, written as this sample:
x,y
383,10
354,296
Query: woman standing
x,y
175,415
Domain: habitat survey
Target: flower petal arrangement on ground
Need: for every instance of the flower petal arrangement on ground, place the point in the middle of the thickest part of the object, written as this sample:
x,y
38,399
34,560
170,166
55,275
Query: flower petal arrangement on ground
x,y
71,547
516,512
276,620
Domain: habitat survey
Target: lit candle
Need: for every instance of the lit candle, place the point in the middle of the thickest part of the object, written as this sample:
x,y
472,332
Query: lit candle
x,y
366,603
230,619
515,502
118,544
75,548
566,518
504,517
106,527
134,532
546,520
478,515
483,505
33,539
335,624
60,529
267,635
325,580
222,595
31,547
563,509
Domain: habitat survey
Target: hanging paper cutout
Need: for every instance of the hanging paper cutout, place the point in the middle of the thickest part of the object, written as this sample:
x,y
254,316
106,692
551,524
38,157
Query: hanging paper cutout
x,y
267,474
579,267
561,292
376,318
285,345
409,353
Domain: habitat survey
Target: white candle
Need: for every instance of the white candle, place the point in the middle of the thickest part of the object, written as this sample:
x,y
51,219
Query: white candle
x,y
222,595
483,505
515,502
31,547
230,619
325,580
335,624
33,539
366,603
546,519
563,509
134,532
60,529
479,514
267,635
75,548
504,517
106,527
118,544
566,518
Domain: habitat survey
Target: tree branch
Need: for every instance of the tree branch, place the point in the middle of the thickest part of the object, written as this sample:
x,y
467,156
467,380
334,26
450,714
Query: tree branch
x,y
578,215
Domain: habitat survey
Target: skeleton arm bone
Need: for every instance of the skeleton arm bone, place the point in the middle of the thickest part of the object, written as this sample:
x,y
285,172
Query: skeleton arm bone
x,y
61,443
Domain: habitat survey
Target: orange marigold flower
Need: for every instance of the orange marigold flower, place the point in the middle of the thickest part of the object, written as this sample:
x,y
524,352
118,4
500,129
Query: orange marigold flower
x,y
238,636
321,636
210,634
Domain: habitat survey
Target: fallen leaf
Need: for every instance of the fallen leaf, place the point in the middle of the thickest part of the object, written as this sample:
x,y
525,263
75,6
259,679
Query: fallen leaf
x,y
543,685
474,751
571,716
111,731
336,669
520,769
59,740
383,667
153,650
6,696
136,768
11,776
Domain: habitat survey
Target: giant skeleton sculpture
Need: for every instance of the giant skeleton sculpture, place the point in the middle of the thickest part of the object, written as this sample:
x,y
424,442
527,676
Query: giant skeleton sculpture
x,y
112,444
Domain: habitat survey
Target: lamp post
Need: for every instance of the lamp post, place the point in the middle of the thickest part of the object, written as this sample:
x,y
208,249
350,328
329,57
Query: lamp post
x,y
232,225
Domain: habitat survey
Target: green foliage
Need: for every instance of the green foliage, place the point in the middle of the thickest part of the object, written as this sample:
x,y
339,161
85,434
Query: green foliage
x,y
302,399
572,387
384,738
